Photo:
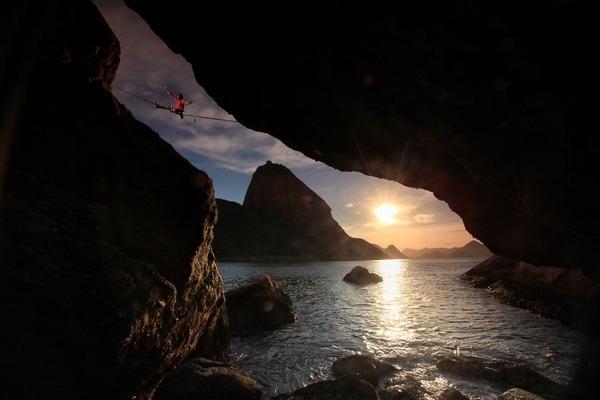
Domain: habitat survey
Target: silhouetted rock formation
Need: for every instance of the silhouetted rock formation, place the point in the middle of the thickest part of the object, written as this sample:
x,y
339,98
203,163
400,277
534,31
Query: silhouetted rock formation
x,y
491,107
282,218
361,276
107,280
259,305
393,252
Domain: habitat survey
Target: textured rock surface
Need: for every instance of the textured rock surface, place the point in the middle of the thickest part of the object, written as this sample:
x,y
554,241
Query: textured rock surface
x,y
107,278
503,374
260,304
347,387
518,394
490,106
367,367
207,379
559,293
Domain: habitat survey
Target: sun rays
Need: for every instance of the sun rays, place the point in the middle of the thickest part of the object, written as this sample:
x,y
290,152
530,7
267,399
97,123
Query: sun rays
x,y
386,213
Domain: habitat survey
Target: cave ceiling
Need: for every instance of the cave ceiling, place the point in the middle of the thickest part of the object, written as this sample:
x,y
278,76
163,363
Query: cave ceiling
x,y
489,106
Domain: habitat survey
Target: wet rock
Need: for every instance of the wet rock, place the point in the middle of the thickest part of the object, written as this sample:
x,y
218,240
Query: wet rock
x,y
502,373
347,387
393,394
558,293
518,394
367,367
259,305
206,379
452,394
361,276
405,387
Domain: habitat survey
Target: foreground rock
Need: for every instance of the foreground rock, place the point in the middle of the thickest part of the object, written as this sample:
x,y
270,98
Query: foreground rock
x,y
107,280
207,379
367,367
361,276
518,394
347,387
260,304
502,373
452,394
404,387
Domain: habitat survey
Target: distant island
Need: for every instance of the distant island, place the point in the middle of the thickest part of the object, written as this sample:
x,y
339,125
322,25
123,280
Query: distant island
x,y
282,219
473,249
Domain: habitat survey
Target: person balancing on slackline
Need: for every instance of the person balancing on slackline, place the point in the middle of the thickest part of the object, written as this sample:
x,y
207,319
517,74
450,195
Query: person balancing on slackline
x,y
180,103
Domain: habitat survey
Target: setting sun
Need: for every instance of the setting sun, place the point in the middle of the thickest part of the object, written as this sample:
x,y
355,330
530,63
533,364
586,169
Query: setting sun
x,y
386,213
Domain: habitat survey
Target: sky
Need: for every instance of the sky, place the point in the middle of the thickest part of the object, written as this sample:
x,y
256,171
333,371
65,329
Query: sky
x,y
379,211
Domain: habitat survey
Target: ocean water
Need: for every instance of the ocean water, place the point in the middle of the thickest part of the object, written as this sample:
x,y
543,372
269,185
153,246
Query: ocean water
x,y
421,312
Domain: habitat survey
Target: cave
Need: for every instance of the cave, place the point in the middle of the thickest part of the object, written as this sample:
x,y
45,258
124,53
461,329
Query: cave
x,y
488,106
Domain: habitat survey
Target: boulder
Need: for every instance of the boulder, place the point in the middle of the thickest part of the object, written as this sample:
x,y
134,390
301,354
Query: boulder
x,y
518,394
361,276
404,387
347,387
502,373
452,394
367,367
260,304
207,379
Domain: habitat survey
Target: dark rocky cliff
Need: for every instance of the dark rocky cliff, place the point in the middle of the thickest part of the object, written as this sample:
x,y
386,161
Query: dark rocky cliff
x,y
107,278
492,107
282,218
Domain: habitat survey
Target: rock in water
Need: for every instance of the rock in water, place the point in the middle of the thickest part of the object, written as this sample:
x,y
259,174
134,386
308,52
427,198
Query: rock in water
x,y
260,304
361,276
207,379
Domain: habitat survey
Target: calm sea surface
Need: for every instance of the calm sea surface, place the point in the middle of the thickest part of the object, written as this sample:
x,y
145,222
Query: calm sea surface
x,y
419,313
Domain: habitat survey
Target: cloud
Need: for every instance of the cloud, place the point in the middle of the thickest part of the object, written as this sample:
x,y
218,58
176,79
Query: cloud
x,y
242,150
147,65
349,205
424,218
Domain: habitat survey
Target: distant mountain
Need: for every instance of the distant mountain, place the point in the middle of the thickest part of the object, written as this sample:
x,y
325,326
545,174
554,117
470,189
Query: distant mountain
x,y
392,251
473,249
283,219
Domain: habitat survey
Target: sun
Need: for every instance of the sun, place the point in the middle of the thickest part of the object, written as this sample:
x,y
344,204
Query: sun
x,y
386,213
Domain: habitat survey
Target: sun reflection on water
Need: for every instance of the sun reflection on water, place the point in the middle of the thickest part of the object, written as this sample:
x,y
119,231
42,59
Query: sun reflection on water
x,y
390,303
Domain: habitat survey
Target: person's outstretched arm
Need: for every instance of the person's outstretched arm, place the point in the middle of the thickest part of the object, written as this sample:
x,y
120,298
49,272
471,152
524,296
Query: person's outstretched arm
x,y
168,91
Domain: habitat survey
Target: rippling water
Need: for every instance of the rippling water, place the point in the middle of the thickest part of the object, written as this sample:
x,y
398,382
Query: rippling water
x,y
419,313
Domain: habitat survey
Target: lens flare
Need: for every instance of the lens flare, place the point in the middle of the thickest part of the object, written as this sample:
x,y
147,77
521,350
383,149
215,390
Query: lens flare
x,y
386,213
